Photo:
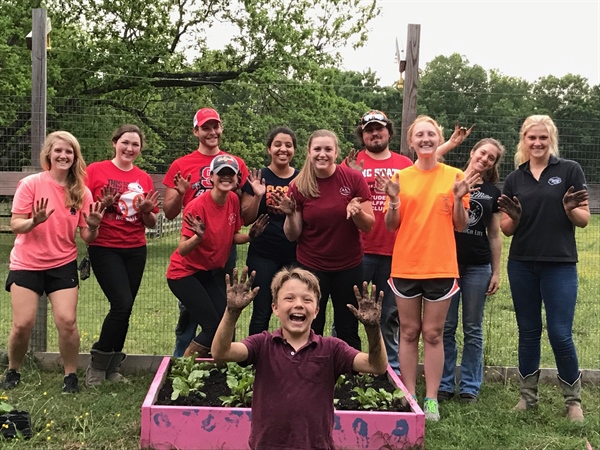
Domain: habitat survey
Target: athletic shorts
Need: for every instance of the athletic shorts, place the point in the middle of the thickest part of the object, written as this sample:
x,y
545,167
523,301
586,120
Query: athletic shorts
x,y
432,289
48,281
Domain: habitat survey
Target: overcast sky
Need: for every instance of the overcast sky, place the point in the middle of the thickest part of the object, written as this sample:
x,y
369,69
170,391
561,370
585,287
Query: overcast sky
x,y
526,39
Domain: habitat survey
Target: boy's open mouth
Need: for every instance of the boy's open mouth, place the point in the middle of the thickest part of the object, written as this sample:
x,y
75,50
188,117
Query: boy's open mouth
x,y
297,317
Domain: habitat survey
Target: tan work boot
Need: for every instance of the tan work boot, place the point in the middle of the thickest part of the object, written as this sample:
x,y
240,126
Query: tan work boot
x,y
95,373
529,391
112,371
572,395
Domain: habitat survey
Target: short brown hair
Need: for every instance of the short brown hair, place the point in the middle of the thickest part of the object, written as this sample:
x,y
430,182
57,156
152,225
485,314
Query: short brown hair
x,y
295,273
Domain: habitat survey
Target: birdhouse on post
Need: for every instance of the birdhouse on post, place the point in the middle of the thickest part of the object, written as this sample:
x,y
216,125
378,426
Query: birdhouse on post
x,y
29,36
401,60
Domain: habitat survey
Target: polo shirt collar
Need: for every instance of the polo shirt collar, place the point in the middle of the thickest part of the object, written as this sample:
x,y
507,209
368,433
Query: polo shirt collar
x,y
313,338
551,161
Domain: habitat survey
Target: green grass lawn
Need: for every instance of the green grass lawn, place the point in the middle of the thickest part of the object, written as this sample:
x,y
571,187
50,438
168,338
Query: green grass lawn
x,y
155,312
108,417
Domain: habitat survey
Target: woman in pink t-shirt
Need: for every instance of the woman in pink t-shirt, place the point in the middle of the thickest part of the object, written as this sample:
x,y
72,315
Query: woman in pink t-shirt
x,y
48,207
118,256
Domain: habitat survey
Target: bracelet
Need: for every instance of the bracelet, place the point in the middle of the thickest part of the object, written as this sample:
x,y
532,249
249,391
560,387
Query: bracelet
x,y
92,230
394,205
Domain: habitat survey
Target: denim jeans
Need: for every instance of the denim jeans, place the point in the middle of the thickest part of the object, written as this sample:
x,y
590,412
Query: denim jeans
x,y
377,270
119,272
555,285
186,327
474,281
184,331
266,269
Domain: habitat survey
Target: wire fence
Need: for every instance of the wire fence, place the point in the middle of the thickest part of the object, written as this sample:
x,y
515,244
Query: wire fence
x,y
155,312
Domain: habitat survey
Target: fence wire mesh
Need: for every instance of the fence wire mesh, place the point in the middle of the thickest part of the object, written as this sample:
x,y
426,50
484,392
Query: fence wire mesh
x,y
155,312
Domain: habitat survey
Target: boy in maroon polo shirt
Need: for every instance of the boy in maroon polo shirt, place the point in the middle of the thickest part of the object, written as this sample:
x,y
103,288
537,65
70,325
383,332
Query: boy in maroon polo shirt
x,y
296,369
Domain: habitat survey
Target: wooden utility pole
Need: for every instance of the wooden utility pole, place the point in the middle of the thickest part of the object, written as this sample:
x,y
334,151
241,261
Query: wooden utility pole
x,y
39,31
38,83
411,79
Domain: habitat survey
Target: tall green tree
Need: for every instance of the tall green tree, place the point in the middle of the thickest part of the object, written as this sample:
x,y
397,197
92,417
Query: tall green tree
x,y
133,58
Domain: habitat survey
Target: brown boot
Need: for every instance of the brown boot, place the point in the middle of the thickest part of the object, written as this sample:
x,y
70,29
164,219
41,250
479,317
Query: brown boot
x,y
529,391
572,395
196,350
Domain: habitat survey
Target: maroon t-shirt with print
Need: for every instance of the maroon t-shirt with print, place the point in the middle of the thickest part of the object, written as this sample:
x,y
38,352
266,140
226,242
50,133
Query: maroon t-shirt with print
x,y
329,241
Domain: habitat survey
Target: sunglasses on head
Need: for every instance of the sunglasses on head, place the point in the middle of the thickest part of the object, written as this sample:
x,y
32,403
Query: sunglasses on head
x,y
373,116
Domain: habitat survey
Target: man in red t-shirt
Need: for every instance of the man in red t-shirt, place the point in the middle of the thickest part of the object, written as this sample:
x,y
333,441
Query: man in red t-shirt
x,y
376,158
186,179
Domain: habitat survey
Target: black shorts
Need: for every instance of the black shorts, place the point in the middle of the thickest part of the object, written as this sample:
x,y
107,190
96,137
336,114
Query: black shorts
x,y
48,281
432,289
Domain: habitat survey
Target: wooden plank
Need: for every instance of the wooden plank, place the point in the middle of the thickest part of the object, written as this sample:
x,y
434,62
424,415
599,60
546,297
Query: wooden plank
x,y
9,180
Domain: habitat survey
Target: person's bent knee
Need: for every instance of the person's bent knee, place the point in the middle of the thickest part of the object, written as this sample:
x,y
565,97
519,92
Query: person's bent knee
x,y
410,335
433,336
67,326
22,330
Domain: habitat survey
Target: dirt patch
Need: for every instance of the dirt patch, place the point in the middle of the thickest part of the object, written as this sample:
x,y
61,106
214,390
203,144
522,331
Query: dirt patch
x,y
215,386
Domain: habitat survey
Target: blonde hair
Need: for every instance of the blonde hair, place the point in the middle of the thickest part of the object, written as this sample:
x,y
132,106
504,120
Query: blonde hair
x,y
306,181
491,175
522,154
423,118
296,273
75,188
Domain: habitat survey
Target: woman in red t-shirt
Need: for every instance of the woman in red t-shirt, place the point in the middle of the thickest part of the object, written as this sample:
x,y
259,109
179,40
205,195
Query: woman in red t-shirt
x,y
326,208
118,255
211,225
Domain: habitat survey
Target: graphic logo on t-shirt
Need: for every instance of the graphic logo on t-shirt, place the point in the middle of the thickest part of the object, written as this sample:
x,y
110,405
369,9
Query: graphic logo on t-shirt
x,y
232,218
554,181
345,190
271,206
129,203
203,184
475,212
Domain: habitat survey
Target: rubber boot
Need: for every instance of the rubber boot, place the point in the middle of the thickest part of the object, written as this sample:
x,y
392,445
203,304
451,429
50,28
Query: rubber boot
x,y
95,373
529,391
112,371
196,350
572,395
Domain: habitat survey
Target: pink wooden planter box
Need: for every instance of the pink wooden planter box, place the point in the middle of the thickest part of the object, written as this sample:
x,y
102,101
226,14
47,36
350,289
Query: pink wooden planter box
x,y
195,428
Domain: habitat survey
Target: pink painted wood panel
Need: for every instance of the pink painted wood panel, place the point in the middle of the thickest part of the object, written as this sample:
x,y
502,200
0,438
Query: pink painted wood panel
x,y
178,427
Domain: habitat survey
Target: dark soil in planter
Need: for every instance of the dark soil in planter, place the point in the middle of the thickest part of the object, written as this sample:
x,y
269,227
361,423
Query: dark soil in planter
x,y
215,386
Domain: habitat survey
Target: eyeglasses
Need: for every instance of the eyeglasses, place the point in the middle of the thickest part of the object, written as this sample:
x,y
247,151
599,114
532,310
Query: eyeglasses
x,y
373,116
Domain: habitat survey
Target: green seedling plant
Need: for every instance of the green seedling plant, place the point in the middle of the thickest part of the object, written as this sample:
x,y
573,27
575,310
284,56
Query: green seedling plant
x,y
370,398
240,381
188,376
381,400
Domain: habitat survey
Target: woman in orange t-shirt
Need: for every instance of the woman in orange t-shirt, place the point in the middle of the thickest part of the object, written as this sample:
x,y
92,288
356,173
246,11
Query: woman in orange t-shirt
x,y
426,203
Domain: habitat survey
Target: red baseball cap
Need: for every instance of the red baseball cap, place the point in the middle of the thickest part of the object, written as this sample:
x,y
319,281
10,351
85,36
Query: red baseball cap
x,y
204,115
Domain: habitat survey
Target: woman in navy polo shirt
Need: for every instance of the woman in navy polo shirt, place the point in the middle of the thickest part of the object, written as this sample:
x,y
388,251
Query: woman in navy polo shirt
x,y
543,201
